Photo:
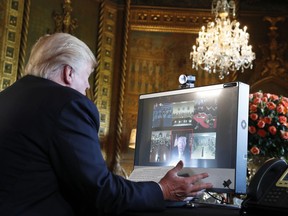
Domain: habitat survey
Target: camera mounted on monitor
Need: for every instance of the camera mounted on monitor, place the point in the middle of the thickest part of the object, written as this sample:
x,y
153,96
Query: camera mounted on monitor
x,y
187,81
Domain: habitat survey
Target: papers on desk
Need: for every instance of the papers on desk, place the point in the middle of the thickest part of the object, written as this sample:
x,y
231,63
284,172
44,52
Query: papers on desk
x,y
148,173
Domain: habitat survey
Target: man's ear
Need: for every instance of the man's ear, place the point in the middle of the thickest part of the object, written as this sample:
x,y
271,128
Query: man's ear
x,y
67,74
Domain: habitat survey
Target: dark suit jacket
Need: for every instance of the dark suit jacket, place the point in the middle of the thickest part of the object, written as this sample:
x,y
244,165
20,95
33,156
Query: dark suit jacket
x,y
50,157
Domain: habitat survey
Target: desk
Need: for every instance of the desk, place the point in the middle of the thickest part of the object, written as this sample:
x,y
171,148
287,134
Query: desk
x,y
199,211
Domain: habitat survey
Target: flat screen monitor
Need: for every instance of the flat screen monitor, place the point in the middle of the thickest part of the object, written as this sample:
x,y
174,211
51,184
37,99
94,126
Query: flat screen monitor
x,y
206,127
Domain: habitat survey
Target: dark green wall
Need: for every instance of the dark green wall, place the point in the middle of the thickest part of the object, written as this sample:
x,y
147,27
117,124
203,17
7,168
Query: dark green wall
x,y
41,20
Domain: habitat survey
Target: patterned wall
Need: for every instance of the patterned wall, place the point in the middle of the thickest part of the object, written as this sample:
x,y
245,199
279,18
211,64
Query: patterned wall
x,y
11,12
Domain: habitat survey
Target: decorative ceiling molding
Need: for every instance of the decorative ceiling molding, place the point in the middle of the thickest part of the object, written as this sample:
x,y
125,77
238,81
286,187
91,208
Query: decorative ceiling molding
x,y
168,20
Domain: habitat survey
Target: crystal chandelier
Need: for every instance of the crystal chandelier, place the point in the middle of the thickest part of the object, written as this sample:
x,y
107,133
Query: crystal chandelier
x,y
223,46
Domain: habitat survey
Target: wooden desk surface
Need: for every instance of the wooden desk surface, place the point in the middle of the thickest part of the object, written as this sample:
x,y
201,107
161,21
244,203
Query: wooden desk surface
x,y
185,211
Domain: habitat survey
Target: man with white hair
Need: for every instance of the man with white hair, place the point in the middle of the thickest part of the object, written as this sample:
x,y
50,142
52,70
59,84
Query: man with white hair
x,y
50,158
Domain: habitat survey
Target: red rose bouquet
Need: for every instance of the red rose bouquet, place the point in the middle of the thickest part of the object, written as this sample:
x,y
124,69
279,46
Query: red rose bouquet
x,y
268,126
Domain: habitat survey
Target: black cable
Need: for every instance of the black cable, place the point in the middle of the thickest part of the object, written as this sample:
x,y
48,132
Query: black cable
x,y
216,198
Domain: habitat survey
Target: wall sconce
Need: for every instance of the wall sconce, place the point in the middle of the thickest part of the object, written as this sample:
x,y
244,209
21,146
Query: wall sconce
x,y
132,139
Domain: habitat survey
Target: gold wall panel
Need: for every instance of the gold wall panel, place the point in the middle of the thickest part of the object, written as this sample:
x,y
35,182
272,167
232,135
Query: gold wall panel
x,y
105,57
10,37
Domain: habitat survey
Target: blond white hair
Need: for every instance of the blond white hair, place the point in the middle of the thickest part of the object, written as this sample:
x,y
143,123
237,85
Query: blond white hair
x,y
52,52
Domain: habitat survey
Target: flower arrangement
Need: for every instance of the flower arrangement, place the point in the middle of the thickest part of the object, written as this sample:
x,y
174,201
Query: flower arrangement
x,y
268,126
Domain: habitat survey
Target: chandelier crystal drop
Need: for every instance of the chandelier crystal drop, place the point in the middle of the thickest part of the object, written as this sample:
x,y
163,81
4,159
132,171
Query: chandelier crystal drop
x,y
223,45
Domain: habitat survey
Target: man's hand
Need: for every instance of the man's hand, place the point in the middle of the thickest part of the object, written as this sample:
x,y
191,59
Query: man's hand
x,y
177,188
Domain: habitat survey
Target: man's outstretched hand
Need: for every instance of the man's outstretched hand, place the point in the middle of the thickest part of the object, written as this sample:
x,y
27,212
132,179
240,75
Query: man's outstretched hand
x,y
177,188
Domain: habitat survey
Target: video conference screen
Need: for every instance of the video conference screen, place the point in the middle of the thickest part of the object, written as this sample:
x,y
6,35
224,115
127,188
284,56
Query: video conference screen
x,y
184,130
196,127
205,127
